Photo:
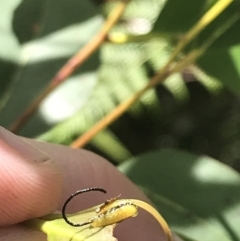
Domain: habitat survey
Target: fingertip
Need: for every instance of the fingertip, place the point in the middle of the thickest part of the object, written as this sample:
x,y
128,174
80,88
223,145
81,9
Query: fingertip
x,y
32,189
28,188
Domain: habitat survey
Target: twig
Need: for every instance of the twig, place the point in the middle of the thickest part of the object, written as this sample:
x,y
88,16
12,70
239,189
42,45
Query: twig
x,y
118,111
162,74
150,209
72,64
205,20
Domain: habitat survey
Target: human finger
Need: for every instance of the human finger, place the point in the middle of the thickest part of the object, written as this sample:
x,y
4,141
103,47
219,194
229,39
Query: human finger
x,y
62,172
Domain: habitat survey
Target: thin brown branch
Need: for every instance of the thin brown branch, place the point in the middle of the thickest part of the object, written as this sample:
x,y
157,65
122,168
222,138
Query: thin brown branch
x,y
117,112
204,21
77,60
169,68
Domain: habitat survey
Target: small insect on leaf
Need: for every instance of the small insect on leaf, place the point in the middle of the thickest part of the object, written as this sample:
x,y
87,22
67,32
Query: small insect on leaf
x,y
110,212
114,211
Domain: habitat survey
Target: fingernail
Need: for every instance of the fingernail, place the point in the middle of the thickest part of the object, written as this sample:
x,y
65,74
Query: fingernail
x,y
23,146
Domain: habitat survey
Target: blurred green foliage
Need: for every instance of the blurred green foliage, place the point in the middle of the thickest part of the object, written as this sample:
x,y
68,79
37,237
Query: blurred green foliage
x,y
196,110
208,210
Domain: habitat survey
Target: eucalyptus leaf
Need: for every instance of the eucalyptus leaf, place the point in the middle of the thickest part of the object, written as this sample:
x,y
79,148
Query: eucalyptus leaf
x,y
10,49
224,65
179,16
198,196
66,28
231,36
58,230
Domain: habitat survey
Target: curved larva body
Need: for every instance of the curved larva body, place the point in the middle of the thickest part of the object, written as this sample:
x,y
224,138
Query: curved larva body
x,y
110,212
116,212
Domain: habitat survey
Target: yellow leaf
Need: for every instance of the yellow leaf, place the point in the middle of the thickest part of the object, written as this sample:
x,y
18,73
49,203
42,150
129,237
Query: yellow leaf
x,y
58,230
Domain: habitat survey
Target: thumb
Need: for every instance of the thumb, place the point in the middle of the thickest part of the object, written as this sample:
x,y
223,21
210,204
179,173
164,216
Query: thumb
x,y
28,179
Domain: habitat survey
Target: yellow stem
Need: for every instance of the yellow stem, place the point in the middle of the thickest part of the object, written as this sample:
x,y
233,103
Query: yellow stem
x,y
206,19
159,77
147,207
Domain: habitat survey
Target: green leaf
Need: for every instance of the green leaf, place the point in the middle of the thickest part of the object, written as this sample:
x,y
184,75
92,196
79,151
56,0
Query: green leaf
x,y
198,196
105,141
58,230
231,36
179,16
67,27
224,65
213,85
10,48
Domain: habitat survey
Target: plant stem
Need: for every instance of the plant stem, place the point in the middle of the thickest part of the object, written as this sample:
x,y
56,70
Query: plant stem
x,y
117,112
78,59
157,215
161,75
205,20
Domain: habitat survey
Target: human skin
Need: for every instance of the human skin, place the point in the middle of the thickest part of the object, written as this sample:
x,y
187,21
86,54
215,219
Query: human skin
x,y
36,178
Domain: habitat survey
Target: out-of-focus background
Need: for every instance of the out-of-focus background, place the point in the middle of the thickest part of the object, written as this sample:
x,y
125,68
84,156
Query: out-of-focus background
x,y
168,140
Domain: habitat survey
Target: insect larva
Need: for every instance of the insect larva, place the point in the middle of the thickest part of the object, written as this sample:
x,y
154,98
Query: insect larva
x,y
110,212
103,207
120,210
